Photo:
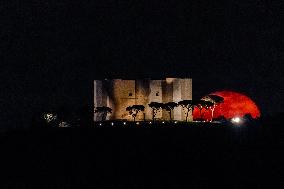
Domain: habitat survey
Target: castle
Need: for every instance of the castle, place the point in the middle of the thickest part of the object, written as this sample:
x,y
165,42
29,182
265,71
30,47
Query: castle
x,y
118,94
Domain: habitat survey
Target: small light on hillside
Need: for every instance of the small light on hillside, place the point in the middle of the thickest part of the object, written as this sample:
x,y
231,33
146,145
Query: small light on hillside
x,y
63,124
49,117
236,120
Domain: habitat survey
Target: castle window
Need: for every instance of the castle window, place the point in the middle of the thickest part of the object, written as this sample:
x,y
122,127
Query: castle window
x,y
130,94
157,93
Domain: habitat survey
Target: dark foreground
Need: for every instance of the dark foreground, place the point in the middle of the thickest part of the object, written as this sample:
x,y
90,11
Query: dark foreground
x,y
197,157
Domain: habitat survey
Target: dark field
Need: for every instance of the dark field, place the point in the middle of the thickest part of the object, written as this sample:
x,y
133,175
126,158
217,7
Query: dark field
x,y
196,156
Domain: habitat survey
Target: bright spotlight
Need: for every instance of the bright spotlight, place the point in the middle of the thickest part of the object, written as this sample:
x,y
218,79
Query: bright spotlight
x,y
100,124
137,123
112,124
124,123
175,122
236,120
163,122
150,122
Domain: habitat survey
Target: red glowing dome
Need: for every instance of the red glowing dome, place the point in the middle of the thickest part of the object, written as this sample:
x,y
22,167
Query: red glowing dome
x,y
234,105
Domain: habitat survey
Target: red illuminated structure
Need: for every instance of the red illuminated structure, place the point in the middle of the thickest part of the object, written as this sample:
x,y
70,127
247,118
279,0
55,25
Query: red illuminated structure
x,y
234,105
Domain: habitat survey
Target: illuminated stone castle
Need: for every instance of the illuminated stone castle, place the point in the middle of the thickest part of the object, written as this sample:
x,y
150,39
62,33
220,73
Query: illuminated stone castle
x,y
118,94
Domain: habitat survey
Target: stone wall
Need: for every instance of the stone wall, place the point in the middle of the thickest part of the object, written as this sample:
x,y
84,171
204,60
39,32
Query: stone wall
x,y
118,94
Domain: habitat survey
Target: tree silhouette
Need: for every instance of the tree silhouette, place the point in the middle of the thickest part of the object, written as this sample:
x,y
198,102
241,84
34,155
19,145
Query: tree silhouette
x,y
216,100
208,105
248,117
203,104
169,107
186,105
134,110
220,118
103,111
156,106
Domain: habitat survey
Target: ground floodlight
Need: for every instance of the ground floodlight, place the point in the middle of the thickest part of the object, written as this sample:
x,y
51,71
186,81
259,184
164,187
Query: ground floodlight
x,y
236,120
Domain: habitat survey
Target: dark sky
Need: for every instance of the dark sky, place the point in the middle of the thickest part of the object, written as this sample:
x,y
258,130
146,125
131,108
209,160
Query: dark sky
x,y
52,50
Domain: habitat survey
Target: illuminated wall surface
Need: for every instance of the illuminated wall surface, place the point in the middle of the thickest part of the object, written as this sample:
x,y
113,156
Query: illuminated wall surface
x,y
119,94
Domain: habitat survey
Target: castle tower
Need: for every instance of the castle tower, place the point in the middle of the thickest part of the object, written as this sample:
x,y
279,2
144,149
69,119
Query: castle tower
x,y
118,94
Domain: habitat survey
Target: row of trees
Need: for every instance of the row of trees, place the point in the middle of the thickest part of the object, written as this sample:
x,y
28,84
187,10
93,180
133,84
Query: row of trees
x,y
208,102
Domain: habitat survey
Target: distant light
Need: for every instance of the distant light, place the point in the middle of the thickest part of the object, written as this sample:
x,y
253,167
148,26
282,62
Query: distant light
x,y
150,122
124,123
100,124
163,122
63,124
137,123
49,117
175,122
112,124
236,120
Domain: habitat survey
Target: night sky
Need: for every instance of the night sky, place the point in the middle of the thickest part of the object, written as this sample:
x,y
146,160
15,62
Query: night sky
x,y
51,51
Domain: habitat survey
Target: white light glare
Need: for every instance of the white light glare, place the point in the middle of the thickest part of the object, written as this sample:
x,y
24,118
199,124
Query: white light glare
x,y
112,124
124,123
175,122
236,120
